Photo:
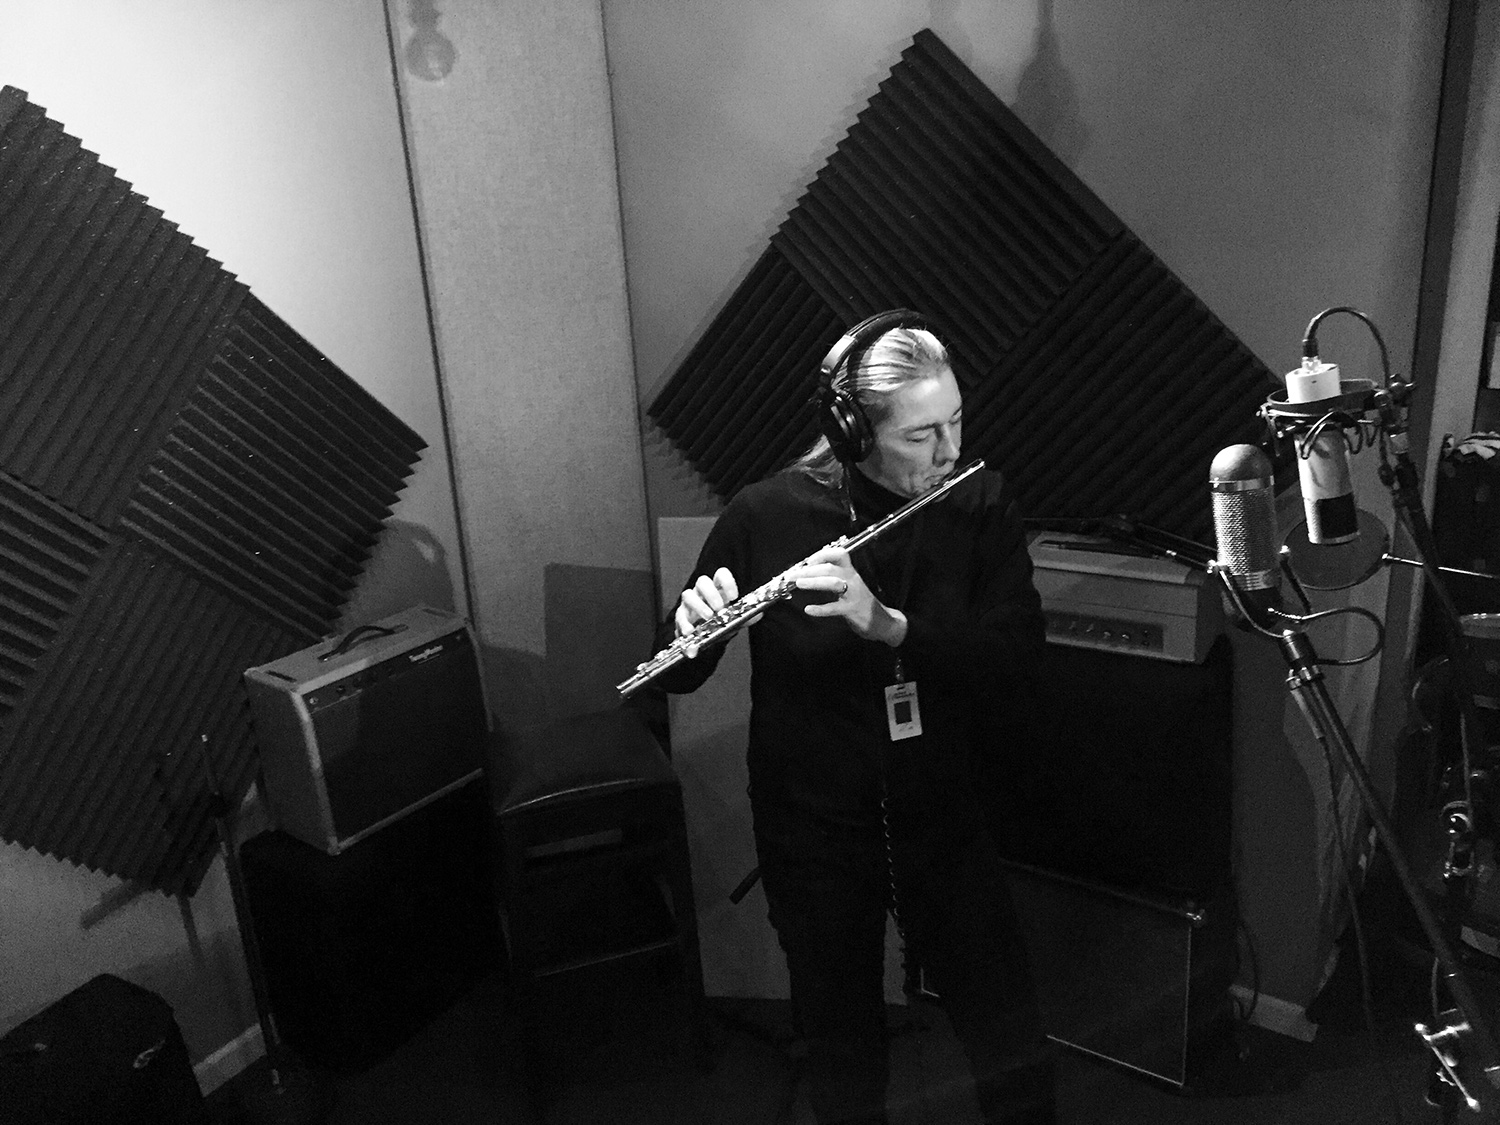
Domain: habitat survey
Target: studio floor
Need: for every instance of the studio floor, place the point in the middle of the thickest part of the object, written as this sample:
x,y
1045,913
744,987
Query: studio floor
x,y
621,1065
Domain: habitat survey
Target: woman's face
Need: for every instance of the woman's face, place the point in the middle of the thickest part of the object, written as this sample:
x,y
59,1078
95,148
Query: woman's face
x,y
917,444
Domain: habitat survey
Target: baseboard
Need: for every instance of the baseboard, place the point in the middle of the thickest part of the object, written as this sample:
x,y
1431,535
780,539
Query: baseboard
x,y
219,1067
1275,1014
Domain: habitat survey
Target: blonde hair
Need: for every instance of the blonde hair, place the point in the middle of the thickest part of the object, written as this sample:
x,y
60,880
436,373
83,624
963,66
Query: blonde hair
x,y
898,358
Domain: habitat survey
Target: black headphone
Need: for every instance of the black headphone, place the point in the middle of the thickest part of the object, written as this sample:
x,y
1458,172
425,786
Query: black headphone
x,y
841,419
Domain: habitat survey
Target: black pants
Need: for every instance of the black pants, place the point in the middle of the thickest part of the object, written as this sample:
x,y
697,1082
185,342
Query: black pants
x,y
829,888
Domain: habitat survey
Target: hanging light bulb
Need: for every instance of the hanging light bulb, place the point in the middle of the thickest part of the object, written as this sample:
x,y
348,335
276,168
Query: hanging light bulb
x,y
429,53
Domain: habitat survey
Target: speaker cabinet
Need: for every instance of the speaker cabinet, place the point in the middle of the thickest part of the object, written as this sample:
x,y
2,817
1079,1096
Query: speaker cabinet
x,y
361,949
358,731
1136,979
1129,781
1117,830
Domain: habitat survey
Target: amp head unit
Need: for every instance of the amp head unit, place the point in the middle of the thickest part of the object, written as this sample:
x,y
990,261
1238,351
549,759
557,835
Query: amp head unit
x,y
1097,593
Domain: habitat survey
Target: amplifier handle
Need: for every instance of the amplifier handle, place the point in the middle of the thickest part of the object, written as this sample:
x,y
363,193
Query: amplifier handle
x,y
358,635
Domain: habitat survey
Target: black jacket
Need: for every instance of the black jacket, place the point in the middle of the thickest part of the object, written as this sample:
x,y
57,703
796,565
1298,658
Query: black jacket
x,y
819,740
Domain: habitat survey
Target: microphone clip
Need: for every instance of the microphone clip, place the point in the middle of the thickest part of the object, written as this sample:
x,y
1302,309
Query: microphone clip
x,y
1305,421
1350,408
1260,610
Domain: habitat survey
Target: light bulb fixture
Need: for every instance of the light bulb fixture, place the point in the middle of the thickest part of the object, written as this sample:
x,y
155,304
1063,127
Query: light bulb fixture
x,y
429,53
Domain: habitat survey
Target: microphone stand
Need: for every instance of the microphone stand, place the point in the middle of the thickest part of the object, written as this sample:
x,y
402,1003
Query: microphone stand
x,y
289,1094
1460,818
1306,681
1305,678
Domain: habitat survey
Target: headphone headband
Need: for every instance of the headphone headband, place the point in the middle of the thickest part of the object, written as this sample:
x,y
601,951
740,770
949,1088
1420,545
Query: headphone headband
x,y
862,335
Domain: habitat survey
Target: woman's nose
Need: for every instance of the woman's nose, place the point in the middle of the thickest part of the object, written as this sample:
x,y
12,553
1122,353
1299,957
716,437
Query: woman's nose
x,y
948,439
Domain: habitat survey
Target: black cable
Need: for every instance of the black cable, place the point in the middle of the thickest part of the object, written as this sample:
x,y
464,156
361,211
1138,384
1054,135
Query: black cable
x,y
1237,599
1358,611
1242,928
1146,539
1310,338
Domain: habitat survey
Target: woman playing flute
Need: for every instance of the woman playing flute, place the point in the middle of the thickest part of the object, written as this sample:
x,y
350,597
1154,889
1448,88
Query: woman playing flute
x,y
876,693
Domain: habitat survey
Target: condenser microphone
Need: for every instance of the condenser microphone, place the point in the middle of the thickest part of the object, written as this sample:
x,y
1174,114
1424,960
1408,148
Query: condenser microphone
x,y
1327,491
1242,485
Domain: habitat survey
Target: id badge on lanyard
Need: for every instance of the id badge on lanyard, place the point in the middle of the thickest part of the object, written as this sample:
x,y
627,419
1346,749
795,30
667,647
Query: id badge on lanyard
x,y
902,713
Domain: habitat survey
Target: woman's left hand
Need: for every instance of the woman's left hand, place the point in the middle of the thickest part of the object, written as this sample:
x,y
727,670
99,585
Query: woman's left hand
x,y
831,572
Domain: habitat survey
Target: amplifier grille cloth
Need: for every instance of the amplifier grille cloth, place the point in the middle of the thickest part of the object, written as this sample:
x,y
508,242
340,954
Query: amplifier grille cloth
x,y
1094,378
187,488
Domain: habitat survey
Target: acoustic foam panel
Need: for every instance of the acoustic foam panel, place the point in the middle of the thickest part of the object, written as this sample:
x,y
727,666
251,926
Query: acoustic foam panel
x,y
1093,376
187,488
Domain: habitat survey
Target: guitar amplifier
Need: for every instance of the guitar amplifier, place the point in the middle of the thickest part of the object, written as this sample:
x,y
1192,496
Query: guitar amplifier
x,y
356,732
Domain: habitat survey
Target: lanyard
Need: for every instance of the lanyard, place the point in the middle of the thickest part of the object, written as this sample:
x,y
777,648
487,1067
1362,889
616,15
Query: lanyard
x,y
904,591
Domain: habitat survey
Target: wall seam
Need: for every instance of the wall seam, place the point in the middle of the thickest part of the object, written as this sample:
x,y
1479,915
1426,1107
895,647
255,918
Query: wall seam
x,y
652,547
424,271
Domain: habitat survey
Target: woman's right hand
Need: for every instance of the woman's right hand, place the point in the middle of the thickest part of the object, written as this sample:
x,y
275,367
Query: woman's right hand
x,y
704,598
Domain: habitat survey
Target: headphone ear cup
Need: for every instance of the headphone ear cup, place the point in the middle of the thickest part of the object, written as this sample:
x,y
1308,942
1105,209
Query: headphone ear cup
x,y
843,422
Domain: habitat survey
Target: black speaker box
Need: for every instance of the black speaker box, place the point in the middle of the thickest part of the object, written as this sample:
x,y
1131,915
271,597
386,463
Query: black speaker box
x,y
361,949
1126,775
107,1053
1116,824
356,732
1138,980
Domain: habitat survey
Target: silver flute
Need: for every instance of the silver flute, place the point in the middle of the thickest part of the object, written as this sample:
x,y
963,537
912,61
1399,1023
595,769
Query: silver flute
x,y
738,613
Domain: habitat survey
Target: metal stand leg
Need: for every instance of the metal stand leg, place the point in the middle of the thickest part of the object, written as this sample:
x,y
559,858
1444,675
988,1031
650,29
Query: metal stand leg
x,y
1464,1045
286,1094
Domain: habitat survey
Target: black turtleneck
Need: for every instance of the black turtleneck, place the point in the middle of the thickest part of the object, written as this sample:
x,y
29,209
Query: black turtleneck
x,y
818,735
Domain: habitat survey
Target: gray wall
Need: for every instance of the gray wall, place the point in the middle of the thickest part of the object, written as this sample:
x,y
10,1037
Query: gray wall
x,y
272,134
268,132
515,170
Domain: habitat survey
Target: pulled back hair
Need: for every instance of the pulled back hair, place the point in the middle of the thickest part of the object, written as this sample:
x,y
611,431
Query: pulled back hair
x,y
899,357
